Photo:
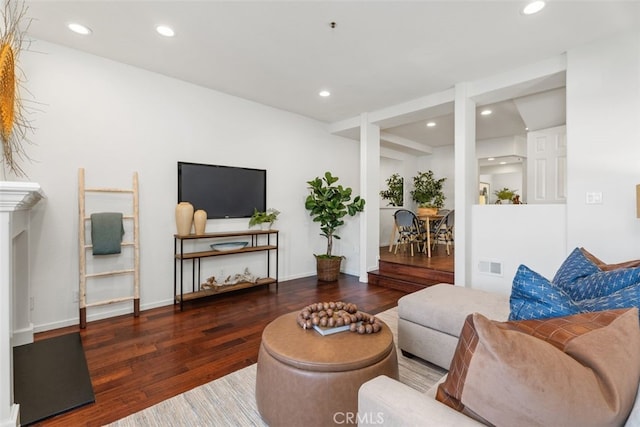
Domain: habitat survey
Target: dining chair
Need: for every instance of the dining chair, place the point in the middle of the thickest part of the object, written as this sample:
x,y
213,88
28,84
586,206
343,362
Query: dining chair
x,y
442,231
410,229
438,222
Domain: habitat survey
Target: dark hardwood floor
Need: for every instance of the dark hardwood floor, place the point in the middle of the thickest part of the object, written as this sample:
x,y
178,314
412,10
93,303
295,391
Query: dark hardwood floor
x,y
137,362
439,259
399,270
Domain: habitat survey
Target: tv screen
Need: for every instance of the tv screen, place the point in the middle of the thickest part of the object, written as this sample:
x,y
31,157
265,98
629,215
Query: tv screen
x,y
222,191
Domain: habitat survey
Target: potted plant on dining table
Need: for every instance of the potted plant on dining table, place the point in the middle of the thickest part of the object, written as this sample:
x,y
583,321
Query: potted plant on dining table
x,y
427,193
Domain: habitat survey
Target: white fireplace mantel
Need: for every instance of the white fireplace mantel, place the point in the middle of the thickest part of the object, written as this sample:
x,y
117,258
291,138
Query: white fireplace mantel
x,y
16,195
16,199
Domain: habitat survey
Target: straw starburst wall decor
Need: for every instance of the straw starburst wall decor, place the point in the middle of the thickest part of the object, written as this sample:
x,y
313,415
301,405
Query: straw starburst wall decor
x,y
14,126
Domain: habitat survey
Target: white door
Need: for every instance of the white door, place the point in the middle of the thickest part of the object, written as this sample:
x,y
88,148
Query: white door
x,y
547,165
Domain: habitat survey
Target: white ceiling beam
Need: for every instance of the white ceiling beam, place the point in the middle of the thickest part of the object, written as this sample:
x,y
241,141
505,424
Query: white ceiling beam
x,y
345,126
426,107
532,78
433,105
404,144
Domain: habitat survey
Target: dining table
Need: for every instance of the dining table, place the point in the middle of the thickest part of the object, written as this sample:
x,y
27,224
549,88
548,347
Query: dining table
x,y
426,221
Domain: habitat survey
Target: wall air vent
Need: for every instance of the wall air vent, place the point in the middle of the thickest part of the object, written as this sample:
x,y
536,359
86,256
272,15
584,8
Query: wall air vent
x,y
493,268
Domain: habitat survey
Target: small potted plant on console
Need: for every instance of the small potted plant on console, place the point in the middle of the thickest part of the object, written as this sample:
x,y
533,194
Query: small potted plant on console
x,y
264,218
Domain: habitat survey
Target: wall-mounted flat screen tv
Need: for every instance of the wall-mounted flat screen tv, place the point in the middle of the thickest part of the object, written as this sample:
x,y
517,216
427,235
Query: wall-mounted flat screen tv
x,y
222,191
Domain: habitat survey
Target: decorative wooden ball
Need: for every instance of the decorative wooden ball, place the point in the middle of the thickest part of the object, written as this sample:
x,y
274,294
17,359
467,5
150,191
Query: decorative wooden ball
x,y
335,314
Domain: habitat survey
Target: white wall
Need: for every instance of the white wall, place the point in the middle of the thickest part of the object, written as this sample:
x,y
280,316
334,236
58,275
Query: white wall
x,y
511,235
500,176
391,162
511,180
113,119
441,162
603,146
603,107
505,146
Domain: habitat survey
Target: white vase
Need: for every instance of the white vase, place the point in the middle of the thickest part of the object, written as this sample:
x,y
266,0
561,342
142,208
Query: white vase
x,y
265,225
184,218
200,221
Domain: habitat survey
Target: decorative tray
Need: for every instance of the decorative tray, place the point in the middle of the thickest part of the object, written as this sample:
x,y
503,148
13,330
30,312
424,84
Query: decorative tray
x,y
229,246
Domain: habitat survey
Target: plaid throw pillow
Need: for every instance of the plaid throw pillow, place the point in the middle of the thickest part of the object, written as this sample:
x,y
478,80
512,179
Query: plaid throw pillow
x,y
574,371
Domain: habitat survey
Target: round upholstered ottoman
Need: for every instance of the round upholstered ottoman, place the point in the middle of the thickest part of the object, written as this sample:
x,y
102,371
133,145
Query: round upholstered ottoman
x,y
307,379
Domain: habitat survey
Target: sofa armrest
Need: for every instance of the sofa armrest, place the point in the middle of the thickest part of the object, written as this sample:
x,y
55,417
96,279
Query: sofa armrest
x,y
387,402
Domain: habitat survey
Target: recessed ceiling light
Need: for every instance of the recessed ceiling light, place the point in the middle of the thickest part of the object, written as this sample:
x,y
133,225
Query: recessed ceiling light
x,y
163,30
79,28
533,7
486,112
503,163
324,93
431,124
491,159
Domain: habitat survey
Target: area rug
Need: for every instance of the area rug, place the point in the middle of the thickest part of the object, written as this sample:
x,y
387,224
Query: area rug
x,y
230,400
50,377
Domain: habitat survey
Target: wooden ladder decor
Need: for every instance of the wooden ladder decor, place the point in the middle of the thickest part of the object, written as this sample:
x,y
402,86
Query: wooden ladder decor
x,y
83,247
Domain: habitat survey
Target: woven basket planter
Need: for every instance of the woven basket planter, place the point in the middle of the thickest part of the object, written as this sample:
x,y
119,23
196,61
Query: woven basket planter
x,y
328,268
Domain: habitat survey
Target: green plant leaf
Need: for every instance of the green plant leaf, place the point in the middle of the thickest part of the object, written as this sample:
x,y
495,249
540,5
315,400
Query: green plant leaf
x,y
329,204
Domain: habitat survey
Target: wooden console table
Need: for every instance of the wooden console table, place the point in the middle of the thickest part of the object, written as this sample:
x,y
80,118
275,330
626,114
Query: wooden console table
x,y
261,241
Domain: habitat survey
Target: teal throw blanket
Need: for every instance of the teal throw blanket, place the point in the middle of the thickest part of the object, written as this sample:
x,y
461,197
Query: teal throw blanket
x,y
106,233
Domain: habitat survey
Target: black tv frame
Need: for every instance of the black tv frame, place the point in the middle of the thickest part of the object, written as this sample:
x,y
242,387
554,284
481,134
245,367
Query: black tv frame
x,y
222,191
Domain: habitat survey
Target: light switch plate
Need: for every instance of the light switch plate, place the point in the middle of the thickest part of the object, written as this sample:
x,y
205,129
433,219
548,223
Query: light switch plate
x,y
594,198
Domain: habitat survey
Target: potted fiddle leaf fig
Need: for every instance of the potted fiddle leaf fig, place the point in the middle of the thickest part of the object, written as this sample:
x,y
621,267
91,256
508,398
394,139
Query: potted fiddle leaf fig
x,y
328,203
427,192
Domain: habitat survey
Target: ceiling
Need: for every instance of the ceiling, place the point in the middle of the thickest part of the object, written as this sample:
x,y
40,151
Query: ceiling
x,y
380,53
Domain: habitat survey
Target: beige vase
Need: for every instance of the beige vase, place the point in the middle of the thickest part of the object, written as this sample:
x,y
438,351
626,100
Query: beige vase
x,y
184,218
200,221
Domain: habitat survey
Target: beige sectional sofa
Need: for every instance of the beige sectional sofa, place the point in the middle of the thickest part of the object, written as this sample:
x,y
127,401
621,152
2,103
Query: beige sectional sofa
x,y
429,326
430,320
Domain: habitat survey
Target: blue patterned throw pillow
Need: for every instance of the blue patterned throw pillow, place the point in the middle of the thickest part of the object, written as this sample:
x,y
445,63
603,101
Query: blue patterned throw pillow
x,y
624,298
580,285
582,279
603,283
575,267
535,297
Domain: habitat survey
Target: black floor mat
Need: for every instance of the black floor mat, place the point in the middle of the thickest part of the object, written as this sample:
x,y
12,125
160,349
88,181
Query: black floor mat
x,y
50,377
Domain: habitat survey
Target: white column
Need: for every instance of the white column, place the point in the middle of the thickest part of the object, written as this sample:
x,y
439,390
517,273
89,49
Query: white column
x,y
15,198
466,185
369,190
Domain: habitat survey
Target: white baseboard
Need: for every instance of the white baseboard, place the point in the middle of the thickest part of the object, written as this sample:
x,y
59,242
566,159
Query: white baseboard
x,y
99,316
22,336
128,309
14,417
